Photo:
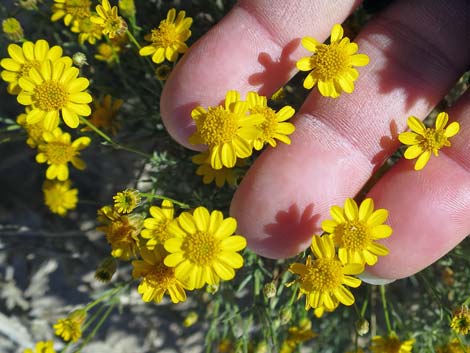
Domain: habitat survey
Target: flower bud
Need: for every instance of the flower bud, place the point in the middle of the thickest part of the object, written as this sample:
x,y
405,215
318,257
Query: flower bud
x,y
269,290
362,327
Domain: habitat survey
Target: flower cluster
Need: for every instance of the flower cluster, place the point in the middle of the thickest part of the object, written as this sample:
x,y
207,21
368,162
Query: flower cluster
x,y
171,254
324,280
233,130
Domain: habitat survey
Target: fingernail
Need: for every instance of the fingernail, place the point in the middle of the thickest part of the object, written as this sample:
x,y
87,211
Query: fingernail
x,y
372,279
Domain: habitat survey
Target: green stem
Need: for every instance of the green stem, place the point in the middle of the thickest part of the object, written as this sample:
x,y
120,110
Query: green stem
x,y
109,293
161,197
97,327
384,304
133,40
108,139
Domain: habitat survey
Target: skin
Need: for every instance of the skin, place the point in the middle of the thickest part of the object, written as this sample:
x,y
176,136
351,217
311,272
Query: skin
x,y
417,52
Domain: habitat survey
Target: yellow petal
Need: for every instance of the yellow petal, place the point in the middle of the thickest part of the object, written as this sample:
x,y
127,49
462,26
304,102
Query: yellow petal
x,y
365,209
310,43
377,217
304,64
309,81
228,155
413,151
226,228
422,160
452,129
359,60
336,33
186,221
201,218
409,138
416,125
350,209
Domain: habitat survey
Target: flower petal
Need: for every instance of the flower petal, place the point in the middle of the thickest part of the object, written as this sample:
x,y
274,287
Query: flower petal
x,y
422,160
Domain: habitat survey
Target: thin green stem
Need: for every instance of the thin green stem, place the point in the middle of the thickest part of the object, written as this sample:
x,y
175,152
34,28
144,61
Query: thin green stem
x,y
133,40
151,196
108,139
384,304
96,328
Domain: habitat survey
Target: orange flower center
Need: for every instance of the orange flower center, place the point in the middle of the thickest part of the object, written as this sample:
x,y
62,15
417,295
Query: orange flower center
x,y
329,61
201,248
218,126
322,275
58,152
352,235
160,276
165,35
50,96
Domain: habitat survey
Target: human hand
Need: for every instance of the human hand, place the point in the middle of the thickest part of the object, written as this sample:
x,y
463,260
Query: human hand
x,y
417,52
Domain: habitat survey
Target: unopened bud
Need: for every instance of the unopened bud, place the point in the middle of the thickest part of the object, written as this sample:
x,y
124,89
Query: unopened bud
x,y
286,316
106,269
362,327
79,59
269,290
212,288
191,319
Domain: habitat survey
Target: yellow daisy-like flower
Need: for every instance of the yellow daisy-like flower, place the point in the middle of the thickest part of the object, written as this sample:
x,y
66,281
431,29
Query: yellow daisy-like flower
x,y
168,40
87,31
391,344
58,150
209,174
104,114
423,141
34,131
274,125
228,131
59,197
298,335
202,248
111,23
108,53
42,347
12,29
331,65
71,10
156,227
70,328
23,58
323,280
460,321
354,230
157,279
453,346
53,90
122,232
126,201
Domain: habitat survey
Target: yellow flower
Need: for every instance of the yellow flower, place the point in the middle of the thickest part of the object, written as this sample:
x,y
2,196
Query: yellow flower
x,y
209,174
70,328
323,280
42,347
59,197
157,279
34,131
156,227
57,150
111,23
87,31
52,90
332,64
274,125
460,321
168,40
23,58
202,248
122,232
12,29
391,344
354,231
162,72
228,131
71,10
298,335
423,141
104,114
453,346
126,201
108,52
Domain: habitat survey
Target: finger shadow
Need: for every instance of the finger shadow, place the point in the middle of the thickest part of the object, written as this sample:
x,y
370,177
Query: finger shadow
x,y
275,70
387,143
291,229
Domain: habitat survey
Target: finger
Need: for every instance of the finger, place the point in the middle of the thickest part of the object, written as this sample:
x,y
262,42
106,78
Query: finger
x,y
429,210
416,55
254,47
